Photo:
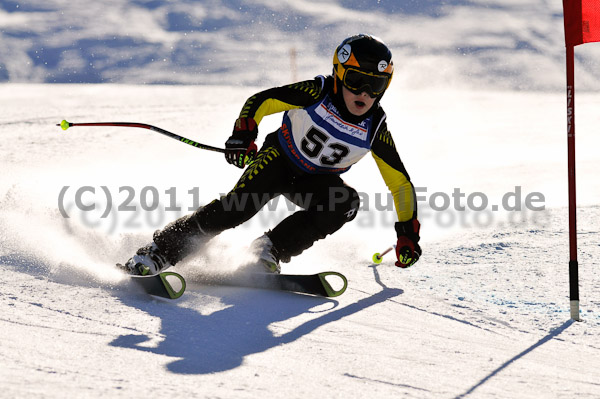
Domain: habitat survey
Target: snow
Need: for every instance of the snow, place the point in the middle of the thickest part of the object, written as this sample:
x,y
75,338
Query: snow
x,y
503,44
483,314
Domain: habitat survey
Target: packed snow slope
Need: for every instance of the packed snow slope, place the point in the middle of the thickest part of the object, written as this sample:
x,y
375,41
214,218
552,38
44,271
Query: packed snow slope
x,y
484,313
517,44
477,111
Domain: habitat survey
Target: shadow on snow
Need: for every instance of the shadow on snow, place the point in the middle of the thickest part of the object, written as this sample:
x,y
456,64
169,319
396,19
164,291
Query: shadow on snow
x,y
555,332
220,341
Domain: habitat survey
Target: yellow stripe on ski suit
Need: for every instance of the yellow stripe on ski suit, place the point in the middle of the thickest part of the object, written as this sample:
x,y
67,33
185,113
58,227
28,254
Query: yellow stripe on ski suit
x,y
272,106
401,189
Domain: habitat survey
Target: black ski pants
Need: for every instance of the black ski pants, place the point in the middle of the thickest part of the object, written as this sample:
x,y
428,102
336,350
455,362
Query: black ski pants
x,y
327,203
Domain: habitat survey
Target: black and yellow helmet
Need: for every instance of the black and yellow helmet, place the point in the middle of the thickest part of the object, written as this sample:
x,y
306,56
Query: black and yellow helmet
x,y
363,63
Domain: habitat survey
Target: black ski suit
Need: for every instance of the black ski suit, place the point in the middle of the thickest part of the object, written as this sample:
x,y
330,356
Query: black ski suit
x,y
304,166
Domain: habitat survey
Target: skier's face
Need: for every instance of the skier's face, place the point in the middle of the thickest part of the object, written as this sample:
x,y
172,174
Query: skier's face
x,y
357,104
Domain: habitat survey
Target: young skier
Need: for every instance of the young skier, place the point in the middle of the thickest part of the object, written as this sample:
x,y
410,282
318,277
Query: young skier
x,y
329,124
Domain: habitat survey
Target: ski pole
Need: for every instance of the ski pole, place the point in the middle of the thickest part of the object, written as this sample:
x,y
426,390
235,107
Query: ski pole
x,y
65,125
378,257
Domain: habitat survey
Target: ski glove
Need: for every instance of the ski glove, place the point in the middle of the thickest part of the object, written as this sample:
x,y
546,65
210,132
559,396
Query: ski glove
x,y
408,250
240,148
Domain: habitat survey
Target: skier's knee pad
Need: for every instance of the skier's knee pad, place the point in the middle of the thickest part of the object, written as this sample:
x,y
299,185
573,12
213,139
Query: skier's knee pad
x,y
343,202
342,207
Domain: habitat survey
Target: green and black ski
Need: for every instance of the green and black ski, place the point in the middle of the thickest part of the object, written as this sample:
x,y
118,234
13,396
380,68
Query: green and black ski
x,y
168,285
319,284
172,285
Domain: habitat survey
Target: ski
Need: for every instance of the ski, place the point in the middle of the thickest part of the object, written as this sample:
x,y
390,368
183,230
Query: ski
x,y
168,285
312,284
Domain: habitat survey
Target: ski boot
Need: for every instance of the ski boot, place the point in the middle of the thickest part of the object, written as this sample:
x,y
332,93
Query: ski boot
x,y
268,257
147,260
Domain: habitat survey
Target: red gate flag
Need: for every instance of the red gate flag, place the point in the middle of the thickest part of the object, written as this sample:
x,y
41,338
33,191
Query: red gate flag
x,y
582,25
582,21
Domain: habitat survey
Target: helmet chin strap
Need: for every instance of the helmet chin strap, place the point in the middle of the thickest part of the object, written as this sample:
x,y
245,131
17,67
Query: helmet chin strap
x,y
335,81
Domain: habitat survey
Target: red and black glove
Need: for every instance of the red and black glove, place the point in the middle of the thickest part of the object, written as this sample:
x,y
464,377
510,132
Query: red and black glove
x,y
240,148
408,250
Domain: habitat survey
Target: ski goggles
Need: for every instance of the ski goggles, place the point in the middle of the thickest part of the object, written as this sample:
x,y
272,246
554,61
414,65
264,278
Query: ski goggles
x,y
358,81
